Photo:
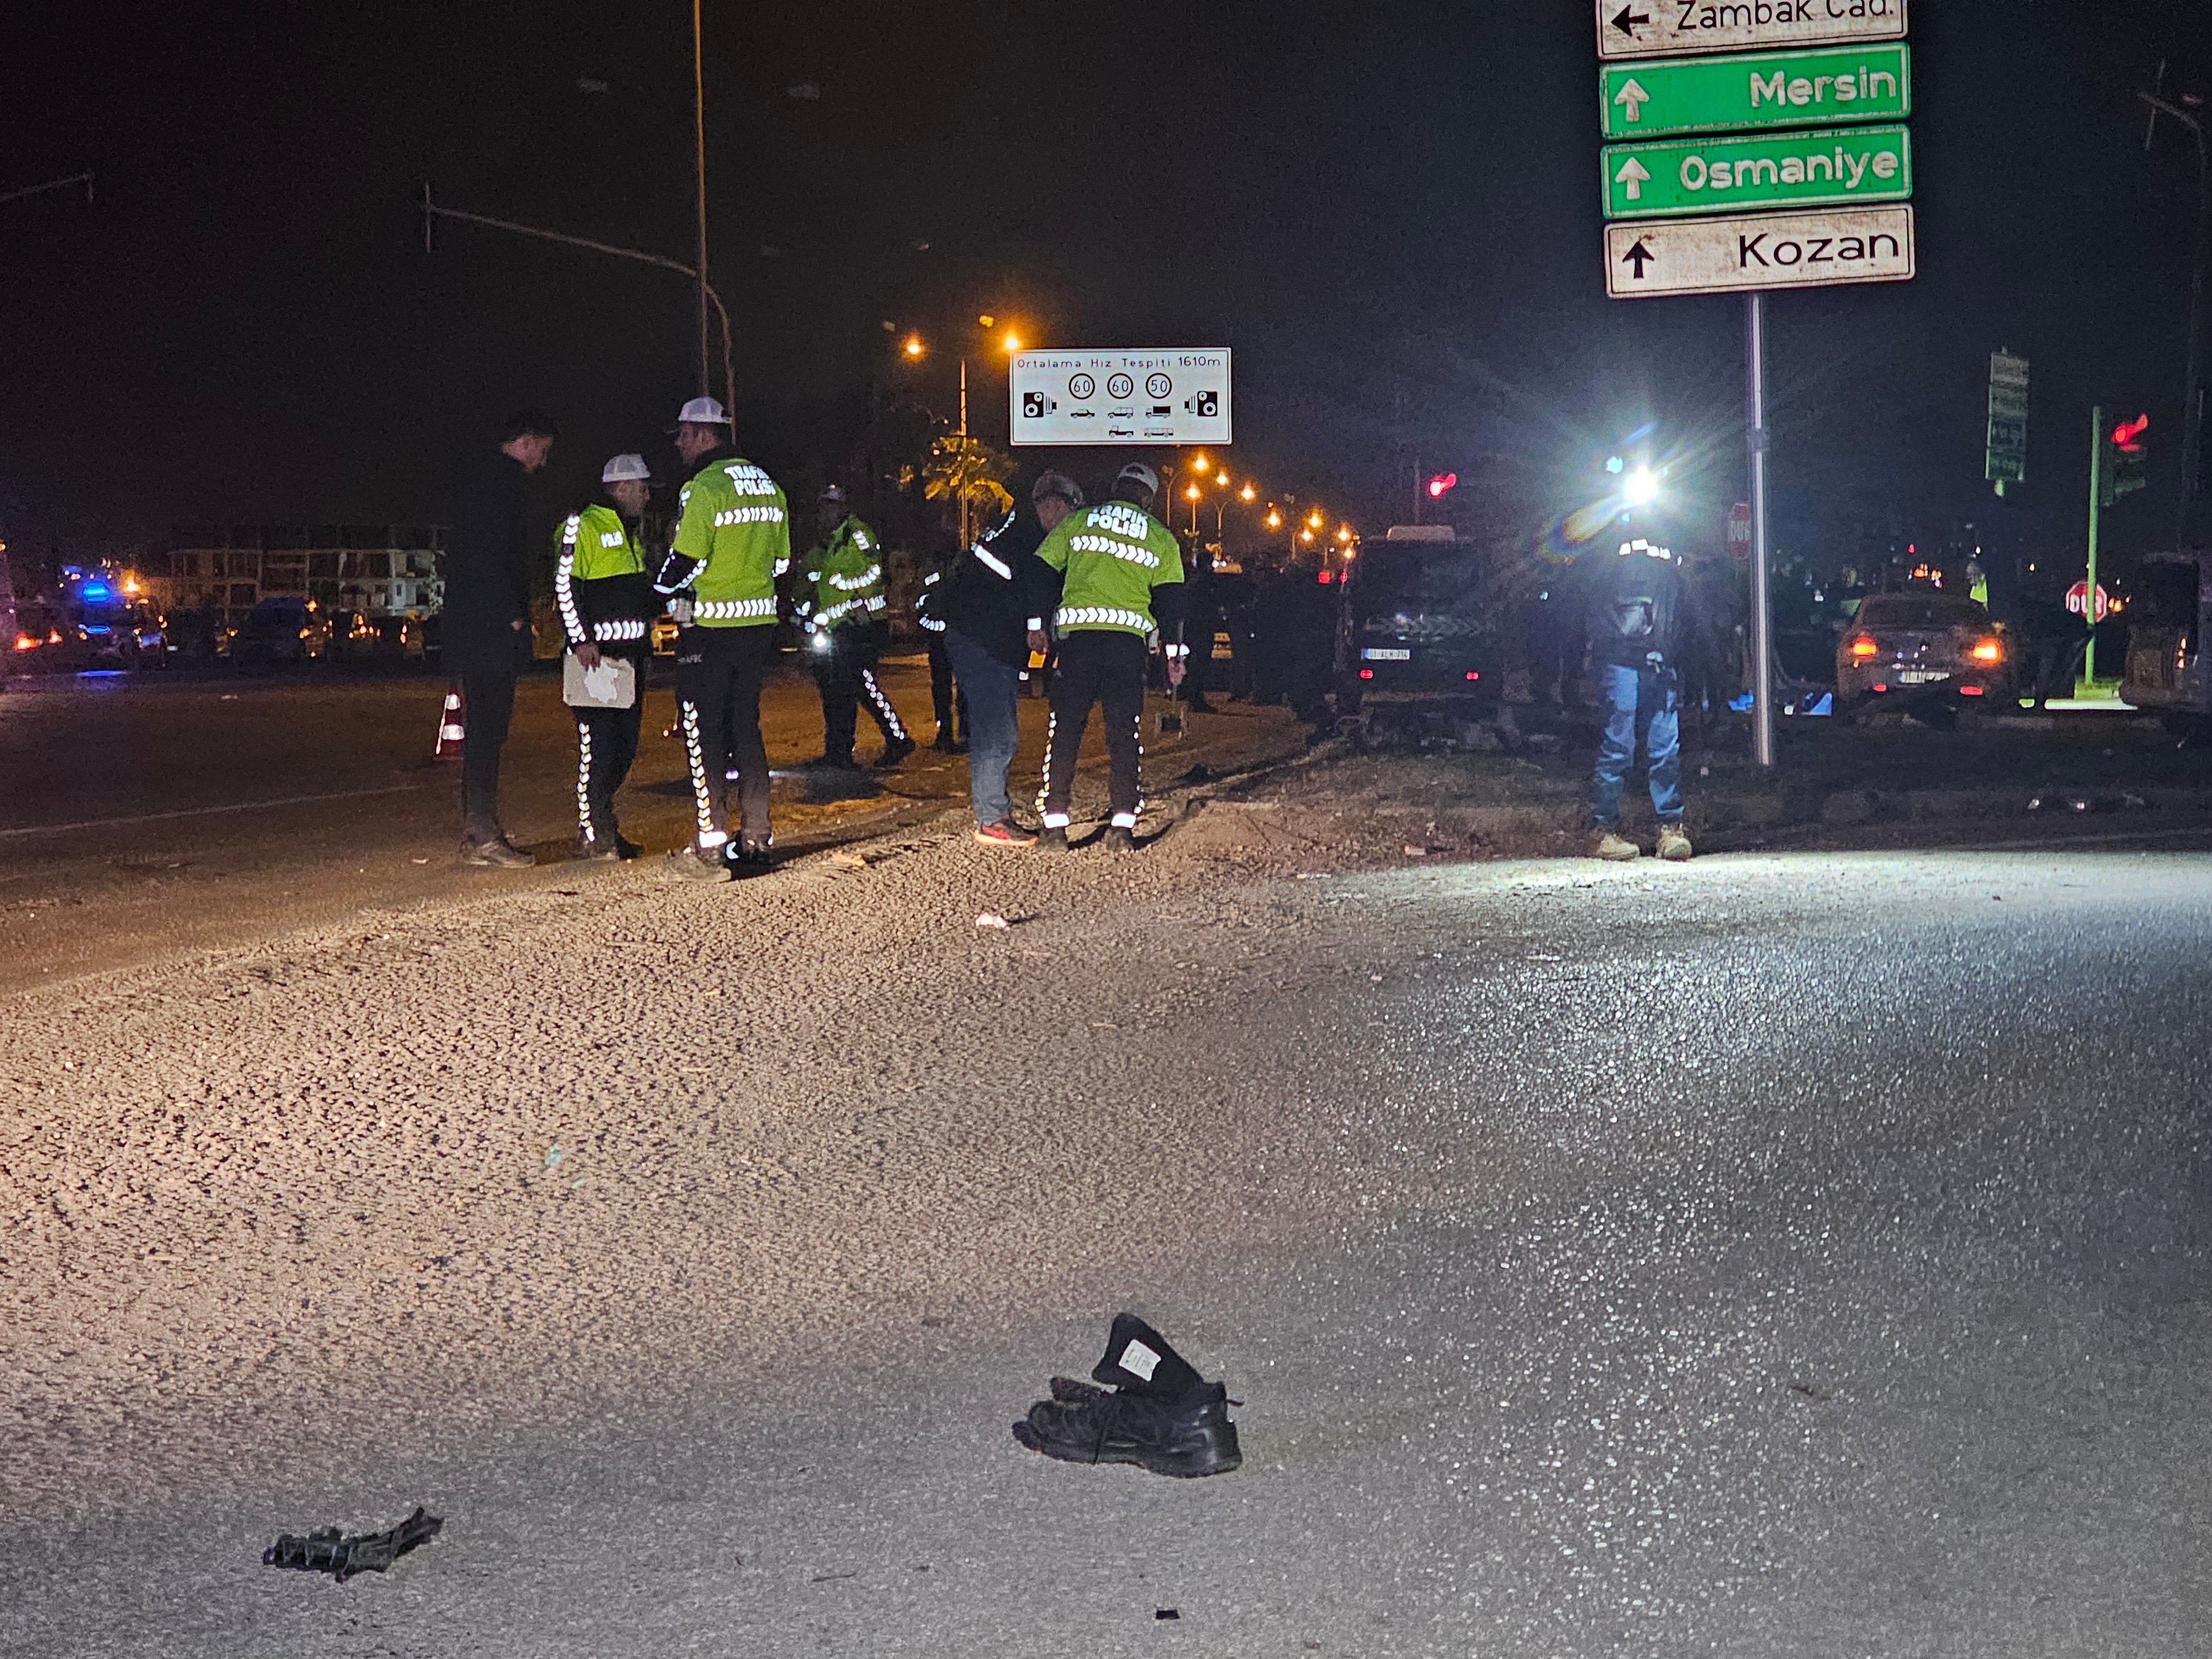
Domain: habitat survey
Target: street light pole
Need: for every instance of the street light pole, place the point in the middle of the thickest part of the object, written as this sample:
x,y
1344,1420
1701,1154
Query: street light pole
x,y
699,158
432,213
2192,407
1762,610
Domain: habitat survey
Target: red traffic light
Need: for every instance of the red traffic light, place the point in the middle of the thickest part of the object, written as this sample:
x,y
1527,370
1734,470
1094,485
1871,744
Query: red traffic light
x,y
2128,435
1443,482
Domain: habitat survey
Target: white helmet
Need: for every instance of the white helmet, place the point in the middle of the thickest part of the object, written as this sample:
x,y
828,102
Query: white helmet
x,y
625,468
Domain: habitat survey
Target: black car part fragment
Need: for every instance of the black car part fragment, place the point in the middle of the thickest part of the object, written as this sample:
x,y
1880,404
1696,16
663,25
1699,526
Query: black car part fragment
x,y
326,1550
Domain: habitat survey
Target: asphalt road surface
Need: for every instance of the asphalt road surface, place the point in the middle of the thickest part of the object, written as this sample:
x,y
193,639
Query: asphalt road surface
x,y
143,813
1794,1254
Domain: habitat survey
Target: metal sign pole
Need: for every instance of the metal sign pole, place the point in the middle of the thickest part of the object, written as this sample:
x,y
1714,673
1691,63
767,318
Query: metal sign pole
x,y
1762,613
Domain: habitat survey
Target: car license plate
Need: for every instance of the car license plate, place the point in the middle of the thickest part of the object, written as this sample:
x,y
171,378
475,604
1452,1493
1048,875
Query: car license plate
x,y
1386,654
1922,676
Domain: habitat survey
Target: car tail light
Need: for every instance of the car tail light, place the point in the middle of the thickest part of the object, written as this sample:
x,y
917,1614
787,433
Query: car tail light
x,y
1970,690
1989,651
1366,673
1474,674
25,642
1877,688
1863,648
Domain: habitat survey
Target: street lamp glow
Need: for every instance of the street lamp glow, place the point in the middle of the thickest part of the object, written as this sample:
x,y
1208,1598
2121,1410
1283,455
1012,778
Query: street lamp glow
x,y
1641,487
1200,464
913,346
1194,492
1012,344
1248,493
1316,519
1343,532
1275,519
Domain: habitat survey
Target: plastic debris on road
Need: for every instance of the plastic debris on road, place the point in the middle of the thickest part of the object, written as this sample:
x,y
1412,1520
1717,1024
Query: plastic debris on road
x,y
992,918
326,1550
1161,1414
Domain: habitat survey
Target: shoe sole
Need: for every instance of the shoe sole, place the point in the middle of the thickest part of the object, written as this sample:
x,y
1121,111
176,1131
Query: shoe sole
x,y
1011,846
1219,1454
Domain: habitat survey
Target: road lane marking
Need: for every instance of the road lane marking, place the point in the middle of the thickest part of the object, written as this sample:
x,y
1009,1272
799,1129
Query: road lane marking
x,y
210,811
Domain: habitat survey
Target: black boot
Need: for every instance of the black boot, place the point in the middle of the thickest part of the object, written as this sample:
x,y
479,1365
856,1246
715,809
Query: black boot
x,y
1119,839
1162,1416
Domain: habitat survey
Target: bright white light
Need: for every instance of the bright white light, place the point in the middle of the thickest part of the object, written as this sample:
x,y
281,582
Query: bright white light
x,y
1641,487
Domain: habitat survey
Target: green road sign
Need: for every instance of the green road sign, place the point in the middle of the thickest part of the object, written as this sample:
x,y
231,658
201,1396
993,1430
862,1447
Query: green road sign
x,y
2006,461
1788,170
1762,89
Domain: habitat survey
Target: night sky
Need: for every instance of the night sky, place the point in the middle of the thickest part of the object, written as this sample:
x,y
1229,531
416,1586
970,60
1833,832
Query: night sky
x,y
1388,210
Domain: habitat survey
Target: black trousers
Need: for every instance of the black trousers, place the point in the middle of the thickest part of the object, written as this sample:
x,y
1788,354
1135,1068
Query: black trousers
x,y
488,695
948,700
1107,668
718,673
606,747
847,674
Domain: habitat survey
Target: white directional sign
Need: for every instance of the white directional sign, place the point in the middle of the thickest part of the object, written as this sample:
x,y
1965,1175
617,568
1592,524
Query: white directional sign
x,y
1164,396
1675,28
1647,257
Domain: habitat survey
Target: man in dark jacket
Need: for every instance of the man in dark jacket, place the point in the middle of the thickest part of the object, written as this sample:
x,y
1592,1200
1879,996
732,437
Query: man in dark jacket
x,y
1641,627
486,619
994,592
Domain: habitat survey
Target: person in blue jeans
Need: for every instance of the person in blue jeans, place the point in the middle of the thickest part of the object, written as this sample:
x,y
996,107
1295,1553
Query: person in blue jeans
x,y
983,609
1637,628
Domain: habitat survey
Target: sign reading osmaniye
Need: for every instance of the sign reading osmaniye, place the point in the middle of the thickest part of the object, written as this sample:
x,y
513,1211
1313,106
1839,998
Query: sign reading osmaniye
x,y
1798,169
1672,28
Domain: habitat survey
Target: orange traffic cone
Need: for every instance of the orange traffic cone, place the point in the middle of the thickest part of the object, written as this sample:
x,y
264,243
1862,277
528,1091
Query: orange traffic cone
x,y
452,726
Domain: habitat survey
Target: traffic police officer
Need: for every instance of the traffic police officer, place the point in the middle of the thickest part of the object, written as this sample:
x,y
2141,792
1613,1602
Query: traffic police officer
x,y
607,606
733,543
840,604
1121,585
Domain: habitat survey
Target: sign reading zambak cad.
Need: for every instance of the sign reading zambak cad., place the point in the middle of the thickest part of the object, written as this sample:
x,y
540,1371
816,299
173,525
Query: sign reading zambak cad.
x,y
1797,169
1162,397
1759,89
1674,28
1758,251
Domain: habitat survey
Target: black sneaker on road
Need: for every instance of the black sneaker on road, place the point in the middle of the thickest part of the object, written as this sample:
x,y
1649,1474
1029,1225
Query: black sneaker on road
x,y
1084,1425
746,858
689,863
895,751
1052,838
496,853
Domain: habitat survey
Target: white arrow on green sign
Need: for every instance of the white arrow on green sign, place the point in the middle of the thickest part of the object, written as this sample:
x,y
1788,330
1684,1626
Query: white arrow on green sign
x,y
1761,89
1781,170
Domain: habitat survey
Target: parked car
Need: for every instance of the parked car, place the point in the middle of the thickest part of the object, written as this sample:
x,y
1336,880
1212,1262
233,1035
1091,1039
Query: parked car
x,y
1928,653
281,630
194,636
116,636
1412,626
2166,667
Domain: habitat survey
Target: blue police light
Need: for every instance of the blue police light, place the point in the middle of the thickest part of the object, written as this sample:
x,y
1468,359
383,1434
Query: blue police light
x,y
96,590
